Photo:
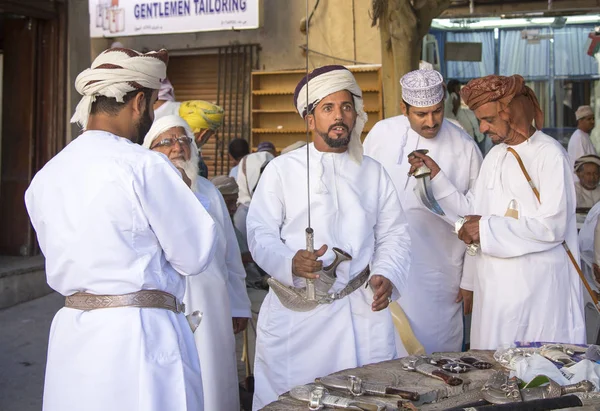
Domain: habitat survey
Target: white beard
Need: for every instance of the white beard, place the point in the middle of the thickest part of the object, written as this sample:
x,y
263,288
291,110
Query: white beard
x,y
190,167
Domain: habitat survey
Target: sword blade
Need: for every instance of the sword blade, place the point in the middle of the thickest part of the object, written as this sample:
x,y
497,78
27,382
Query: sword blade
x,y
425,194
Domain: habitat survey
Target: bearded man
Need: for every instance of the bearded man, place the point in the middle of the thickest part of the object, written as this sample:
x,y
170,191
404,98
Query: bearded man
x,y
220,293
437,255
120,232
520,210
354,206
587,169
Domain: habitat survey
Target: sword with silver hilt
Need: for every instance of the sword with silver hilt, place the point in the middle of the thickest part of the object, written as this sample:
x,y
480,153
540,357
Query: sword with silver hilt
x,y
311,294
357,387
420,365
423,187
318,398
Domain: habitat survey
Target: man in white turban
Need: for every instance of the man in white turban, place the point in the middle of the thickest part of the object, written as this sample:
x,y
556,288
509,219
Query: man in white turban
x,y
437,254
353,206
220,292
580,143
120,232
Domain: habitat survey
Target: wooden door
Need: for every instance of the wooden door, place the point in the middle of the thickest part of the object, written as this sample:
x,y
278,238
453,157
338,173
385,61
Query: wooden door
x,y
19,85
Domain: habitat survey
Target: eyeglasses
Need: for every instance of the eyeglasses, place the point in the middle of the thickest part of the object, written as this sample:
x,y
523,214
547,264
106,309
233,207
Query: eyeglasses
x,y
184,141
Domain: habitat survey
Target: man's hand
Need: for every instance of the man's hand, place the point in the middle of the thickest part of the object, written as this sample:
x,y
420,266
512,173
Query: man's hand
x,y
185,178
382,290
239,324
467,297
469,232
247,258
305,264
417,160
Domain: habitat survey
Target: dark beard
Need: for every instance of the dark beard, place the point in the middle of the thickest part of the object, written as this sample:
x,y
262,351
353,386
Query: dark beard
x,y
336,142
142,127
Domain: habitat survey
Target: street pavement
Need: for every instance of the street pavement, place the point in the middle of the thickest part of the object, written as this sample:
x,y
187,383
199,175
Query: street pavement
x,y
23,345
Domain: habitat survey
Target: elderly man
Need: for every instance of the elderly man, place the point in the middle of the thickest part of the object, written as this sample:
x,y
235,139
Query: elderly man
x,y
580,143
120,232
220,293
437,254
354,206
520,210
587,169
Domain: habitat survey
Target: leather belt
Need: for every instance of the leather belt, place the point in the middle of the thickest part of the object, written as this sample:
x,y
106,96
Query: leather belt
x,y
141,299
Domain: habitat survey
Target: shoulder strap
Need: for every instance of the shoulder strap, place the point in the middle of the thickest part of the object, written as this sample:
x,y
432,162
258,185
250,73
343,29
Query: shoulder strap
x,y
524,170
564,244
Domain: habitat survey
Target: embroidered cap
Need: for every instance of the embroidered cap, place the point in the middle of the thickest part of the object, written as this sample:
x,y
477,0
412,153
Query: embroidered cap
x,y
422,88
590,158
583,111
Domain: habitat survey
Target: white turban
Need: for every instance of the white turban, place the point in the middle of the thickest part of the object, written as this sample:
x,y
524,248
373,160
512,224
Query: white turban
x,y
166,123
327,80
116,72
249,172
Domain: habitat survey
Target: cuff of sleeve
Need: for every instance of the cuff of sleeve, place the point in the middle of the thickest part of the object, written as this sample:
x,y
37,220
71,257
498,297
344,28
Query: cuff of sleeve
x,y
442,186
246,313
485,234
466,284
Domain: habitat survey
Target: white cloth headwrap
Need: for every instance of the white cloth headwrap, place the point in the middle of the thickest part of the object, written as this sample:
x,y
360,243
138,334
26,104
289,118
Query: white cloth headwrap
x,y
331,82
114,73
249,174
166,123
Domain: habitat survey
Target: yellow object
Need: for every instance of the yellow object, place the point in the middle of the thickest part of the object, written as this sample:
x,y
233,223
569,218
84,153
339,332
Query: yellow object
x,y
201,115
411,344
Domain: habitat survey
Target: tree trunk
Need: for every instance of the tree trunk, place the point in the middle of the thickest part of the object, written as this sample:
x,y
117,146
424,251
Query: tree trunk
x,y
402,25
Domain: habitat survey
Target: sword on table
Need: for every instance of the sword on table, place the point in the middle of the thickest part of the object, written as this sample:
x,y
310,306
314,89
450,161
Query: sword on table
x,y
357,387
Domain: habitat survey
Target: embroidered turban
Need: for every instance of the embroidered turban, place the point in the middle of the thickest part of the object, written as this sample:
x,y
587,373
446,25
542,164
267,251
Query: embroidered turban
x,y
265,146
116,72
422,88
166,123
225,184
517,103
201,115
327,80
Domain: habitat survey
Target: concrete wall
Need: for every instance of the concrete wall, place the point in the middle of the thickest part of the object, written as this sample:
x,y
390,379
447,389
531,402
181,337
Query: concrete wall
x,y
340,28
78,55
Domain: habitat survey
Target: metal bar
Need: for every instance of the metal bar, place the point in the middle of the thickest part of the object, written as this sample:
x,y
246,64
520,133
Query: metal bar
x,y
244,93
219,76
238,79
230,72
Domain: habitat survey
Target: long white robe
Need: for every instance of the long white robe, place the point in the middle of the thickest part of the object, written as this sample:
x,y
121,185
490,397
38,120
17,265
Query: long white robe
x,y
219,293
580,144
525,287
437,254
114,218
353,207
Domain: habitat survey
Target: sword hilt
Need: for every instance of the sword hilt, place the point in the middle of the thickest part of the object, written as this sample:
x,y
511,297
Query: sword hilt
x,y
311,294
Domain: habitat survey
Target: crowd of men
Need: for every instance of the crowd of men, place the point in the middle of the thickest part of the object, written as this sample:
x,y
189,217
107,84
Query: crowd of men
x,y
160,267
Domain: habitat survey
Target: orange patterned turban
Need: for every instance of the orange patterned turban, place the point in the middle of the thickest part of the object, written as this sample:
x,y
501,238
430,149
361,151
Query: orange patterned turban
x,y
517,103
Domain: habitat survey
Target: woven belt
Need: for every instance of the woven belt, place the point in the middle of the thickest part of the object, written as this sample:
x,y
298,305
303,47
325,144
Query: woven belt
x,y
141,299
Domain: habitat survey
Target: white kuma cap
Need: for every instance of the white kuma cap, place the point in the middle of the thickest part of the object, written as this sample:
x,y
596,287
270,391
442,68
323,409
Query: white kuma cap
x,y
422,88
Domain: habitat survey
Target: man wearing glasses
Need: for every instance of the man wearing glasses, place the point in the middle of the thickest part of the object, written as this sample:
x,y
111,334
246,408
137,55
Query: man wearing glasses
x,y
220,295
